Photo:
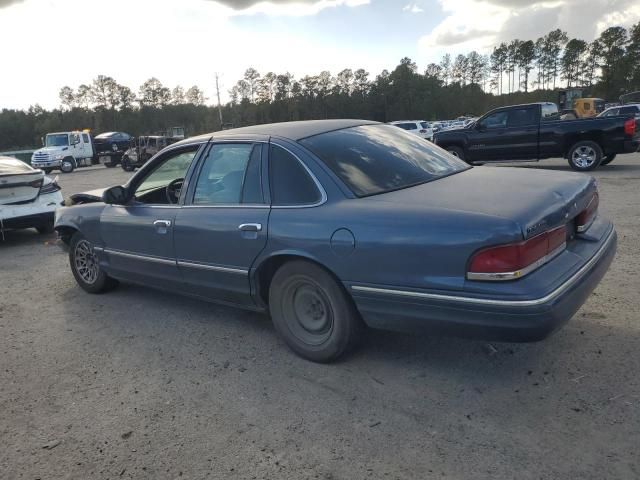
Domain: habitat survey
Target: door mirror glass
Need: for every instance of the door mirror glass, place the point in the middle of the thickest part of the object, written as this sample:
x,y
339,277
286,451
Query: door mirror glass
x,y
115,195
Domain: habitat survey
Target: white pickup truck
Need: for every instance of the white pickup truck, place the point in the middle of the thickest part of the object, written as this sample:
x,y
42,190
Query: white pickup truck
x,y
64,151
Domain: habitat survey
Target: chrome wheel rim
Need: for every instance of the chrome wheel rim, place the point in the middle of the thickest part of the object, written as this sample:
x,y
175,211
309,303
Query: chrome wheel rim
x,y
584,156
86,262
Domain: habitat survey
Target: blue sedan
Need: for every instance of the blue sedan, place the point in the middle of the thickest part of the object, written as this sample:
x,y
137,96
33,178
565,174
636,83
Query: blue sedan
x,y
334,225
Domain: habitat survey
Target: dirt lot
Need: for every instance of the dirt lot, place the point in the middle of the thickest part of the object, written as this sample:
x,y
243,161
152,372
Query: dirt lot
x,y
141,384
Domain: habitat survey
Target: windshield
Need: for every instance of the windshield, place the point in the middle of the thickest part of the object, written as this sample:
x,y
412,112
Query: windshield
x,y
57,140
374,159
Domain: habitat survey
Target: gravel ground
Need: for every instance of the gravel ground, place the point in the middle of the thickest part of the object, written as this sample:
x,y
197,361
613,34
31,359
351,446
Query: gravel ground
x,y
141,384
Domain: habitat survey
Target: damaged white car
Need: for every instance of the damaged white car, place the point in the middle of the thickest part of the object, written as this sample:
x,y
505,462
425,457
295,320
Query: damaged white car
x,y
28,198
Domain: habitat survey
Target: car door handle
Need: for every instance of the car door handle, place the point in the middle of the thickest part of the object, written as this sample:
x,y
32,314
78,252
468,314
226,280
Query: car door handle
x,y
162,223
250,227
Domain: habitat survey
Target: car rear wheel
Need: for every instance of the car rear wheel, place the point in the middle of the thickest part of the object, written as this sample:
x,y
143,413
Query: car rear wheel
x,y
312,312
67,165
585,156
608,159
86,267
110,163
456,152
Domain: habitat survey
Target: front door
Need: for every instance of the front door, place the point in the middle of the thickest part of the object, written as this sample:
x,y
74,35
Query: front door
x,y
506,135
223,226
138,236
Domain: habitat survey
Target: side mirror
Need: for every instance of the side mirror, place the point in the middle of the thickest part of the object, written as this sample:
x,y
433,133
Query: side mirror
x,y
115,195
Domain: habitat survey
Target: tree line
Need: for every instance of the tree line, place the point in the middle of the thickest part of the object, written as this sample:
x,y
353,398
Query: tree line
x,y
519,71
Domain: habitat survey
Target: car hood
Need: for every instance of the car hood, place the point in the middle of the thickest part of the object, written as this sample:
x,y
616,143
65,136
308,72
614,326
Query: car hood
x,y
51,149
90,196
536,200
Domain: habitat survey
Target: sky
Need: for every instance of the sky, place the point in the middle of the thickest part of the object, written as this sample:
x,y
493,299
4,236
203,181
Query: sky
x,y
47,44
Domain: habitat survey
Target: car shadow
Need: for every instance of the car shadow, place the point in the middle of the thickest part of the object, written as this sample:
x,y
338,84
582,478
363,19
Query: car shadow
x,y
27,236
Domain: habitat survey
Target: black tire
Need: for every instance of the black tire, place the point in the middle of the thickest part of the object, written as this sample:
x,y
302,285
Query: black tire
x,y
312,312
95,160
110,163
126,164
67,165
608,159
585,156
90,277
47,171
45,229
456,152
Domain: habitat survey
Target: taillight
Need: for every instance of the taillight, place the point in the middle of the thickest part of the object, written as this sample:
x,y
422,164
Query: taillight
x,y
586,217
515,260
423,131
630,127
36,183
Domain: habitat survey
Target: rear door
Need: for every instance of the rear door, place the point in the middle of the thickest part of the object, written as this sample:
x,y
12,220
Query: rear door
x,y
224,224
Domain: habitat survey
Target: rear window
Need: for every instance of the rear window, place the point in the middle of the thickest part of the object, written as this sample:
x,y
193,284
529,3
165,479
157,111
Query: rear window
x,y
406,126
424,124
373,159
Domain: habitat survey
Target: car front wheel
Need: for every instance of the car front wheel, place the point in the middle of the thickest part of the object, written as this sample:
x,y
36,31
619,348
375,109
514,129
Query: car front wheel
x,y
312,312
456,152
67,165
86,267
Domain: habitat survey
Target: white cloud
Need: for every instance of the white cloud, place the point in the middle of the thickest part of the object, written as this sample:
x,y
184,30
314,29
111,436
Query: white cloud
x,y
413,8
183,43
480,25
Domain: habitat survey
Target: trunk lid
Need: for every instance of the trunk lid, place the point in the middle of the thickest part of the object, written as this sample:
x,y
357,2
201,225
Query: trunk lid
x,y
19,183
537,200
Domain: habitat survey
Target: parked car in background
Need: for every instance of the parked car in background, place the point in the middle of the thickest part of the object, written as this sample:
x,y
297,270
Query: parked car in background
x,y
110,146
64,151
630,109
28,198
331,225
535,131
141,149
417,127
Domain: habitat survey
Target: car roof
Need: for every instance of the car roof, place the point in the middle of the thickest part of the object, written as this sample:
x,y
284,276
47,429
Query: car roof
x,y
290,130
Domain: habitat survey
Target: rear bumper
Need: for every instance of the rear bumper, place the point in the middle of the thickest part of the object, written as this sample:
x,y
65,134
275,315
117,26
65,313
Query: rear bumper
x,y
487,318
631,146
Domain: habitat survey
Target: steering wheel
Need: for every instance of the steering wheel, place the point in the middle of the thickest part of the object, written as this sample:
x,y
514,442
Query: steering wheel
x,y
172,190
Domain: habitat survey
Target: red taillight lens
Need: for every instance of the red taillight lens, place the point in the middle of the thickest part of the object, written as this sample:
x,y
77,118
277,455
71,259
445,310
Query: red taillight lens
x,y
508,262
36,183
588,215
630,127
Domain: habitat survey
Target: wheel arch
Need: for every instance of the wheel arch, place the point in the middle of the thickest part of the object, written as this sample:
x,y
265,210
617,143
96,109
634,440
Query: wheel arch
x,y
262,274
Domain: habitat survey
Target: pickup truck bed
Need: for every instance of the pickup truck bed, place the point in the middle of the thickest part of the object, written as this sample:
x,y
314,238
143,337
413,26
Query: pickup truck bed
x,y
534,132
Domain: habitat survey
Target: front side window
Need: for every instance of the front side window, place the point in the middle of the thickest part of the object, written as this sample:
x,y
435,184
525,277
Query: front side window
x,y
521,117
290,183
373,159
230,175
495,120
172,169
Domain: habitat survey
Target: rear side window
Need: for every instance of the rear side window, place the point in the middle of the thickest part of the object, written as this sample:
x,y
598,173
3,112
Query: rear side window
x,y
549,112
228,176
85,138
406,126
290,182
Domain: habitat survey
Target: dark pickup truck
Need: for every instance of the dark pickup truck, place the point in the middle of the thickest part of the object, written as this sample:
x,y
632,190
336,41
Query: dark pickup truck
x,y
537,131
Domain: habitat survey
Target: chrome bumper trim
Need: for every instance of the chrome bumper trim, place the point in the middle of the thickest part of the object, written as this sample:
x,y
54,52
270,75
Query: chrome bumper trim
x,y
487,301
